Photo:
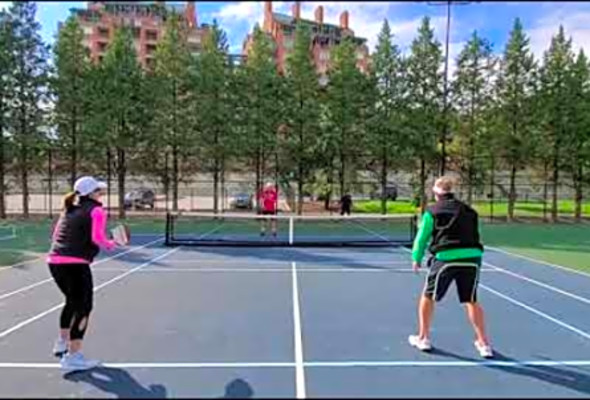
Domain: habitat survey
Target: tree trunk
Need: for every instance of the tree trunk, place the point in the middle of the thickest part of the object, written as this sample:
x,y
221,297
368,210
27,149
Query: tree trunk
x,y
422,185
109,174
74,151
330,179
222,183
2,173
216,186
257,184
578,196
166,181
24,160
384,165
175,178
492,181
121,172
555,186
545,189
512,193
300,189
50,180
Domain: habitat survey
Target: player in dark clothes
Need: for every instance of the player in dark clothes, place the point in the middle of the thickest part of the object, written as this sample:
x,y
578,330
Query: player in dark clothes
x,y
77,238
453,229
345,204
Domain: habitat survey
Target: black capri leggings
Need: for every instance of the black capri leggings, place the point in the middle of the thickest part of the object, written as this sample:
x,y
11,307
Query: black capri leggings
x,y
75,282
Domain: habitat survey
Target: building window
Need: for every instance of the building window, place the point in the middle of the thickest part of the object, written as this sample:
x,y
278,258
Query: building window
x,y
102,46
150,63
360,55
195,39
150,48
87,30
324,55
103,32
100,59
136,33
151,35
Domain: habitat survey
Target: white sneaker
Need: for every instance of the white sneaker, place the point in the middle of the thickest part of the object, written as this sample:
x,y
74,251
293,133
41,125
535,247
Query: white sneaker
x,y
77,362
60,347
420,344
484,351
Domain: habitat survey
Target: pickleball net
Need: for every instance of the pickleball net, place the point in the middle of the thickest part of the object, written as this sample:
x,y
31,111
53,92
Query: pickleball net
x,y
199,229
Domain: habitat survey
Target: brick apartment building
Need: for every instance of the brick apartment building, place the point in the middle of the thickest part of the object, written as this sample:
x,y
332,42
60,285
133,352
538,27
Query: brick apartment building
x,y
281,28
146,20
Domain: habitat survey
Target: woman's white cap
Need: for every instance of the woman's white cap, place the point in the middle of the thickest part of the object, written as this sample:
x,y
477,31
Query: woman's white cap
x,y
443,185
87,184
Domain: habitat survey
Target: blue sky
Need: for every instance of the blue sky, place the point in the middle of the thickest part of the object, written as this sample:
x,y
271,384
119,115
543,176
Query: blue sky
x,y
492,19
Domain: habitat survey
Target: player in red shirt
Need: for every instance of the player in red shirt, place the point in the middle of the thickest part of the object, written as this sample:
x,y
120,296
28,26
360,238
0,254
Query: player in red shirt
x,y
268,199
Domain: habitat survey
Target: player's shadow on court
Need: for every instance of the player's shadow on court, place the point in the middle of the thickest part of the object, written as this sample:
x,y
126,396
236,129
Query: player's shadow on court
x,y
238,389
569,377
118,382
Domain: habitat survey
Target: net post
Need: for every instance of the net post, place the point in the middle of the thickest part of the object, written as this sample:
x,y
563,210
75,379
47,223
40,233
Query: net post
x,y
291,230
168,226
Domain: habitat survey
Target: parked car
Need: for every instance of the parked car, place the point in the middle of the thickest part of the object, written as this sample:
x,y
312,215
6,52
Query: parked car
x,y
140,198
243,201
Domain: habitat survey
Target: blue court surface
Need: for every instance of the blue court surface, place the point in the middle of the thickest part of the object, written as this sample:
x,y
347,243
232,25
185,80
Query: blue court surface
x,y
294,322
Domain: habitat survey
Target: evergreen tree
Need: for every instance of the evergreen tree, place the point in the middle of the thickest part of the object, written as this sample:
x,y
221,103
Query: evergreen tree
x,y
29,84
387,137
425,82
118,103
6,70
69,85
346,103
214,107
557,104
174,109
471,94
515,92
303,110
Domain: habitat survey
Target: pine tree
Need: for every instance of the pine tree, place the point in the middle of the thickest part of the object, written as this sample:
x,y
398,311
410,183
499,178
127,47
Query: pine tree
x,y
303,110
515,92
262,97
118,112
69,85
214,107
346,103
425,82
471,94
557,103
387,137
578,144
6,70
29,83
174,106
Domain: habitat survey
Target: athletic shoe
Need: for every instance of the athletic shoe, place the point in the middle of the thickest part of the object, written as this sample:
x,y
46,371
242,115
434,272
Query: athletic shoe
x,y
484,350
420,344
60,347
77,362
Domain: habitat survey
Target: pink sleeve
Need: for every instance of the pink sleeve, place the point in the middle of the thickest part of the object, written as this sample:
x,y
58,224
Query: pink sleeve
x,y
99,226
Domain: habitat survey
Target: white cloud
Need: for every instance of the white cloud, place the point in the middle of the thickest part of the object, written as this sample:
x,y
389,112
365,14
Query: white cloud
x,y
575,22
4,4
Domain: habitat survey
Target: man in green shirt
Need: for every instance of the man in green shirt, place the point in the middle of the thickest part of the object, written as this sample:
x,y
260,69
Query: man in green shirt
x,y
452,229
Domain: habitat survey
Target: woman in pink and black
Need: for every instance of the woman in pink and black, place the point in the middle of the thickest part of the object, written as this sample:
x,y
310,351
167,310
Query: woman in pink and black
x,y
77,239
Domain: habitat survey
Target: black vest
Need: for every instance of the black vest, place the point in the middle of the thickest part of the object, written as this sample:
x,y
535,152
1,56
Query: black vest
x,y
455,225
74,238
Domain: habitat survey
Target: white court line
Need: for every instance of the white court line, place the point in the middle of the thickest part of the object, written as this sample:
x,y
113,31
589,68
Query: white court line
x,y
572,270
537,312
286,262
101,261
96,289
541,284
299,369
318,364
359,270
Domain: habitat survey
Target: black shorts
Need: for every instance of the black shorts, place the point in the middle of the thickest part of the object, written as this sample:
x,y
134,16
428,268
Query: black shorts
x,y
268,212
464,272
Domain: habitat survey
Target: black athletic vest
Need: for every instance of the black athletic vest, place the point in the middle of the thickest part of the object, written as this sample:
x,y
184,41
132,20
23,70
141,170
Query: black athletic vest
x,y
74,238
455,225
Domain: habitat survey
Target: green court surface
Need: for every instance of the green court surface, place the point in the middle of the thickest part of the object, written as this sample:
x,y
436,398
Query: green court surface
x,y
563,244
